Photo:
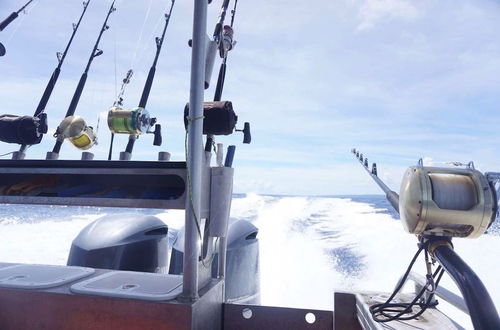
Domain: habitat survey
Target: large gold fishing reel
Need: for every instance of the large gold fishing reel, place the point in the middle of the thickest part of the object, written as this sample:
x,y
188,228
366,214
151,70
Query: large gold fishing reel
x,y
456,202
77,132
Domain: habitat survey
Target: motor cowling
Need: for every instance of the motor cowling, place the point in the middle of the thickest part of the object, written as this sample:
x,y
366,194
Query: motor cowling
x,y
122,242
242,280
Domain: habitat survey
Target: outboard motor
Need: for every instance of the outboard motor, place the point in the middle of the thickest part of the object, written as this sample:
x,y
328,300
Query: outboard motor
x,y
122,242
242,282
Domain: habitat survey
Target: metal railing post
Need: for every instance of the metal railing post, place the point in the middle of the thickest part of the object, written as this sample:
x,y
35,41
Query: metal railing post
x,y
194,158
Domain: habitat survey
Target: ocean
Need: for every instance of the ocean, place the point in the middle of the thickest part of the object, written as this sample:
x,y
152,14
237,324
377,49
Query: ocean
x,y
310,246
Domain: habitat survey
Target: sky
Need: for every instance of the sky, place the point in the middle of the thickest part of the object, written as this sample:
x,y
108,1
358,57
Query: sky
x,y
399,80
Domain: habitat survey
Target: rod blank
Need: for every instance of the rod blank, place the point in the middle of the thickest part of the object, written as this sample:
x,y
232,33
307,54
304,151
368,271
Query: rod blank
x,y
391,196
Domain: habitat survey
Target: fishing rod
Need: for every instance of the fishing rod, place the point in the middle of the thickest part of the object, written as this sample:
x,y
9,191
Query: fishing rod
x,y
40,110
27,130
224,39
11,18
138,121
74,127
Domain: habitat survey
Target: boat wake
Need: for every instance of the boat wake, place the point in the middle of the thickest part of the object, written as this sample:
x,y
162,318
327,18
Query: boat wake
x,y
310,246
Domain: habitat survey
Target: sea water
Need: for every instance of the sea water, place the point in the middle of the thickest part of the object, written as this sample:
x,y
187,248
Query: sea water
x,y
310,246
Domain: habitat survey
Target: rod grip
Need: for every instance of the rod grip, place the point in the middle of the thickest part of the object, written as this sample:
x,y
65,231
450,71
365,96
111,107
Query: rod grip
x,y
147,88
130,144
48,92
8,20
230,156
76,97
57,146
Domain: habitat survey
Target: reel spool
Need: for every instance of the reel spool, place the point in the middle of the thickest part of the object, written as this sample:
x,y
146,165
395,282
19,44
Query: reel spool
x,y
77,132
133,122
446,202
227,41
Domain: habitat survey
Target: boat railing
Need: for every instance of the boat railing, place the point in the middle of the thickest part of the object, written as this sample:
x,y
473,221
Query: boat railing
x,y
441,292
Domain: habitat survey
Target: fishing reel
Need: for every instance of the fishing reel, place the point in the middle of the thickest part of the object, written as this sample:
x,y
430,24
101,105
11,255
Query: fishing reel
x,y
219,118
133,122
77,132
27,130
452,202
226,42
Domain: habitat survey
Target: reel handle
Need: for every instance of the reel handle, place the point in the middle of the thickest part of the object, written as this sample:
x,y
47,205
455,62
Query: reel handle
x,y
247,135
158,139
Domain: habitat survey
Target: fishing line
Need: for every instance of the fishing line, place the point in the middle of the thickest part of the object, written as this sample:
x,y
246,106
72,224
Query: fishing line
x,y
146,17
153,33
12,152
134,56
116,73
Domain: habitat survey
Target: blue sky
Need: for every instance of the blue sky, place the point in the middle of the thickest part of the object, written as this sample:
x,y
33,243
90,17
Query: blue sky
x,y
397,79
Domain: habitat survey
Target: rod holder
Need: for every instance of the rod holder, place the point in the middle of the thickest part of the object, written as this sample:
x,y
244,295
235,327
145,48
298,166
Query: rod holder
x,y
164,156
125,155
18,155
52,155
87,155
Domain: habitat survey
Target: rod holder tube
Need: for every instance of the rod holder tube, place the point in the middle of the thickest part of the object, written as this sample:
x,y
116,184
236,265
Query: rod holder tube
x,y
194,158
482,310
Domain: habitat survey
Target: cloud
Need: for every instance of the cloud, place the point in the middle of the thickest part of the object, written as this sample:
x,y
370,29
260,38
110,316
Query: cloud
x,y
396,79
373,12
